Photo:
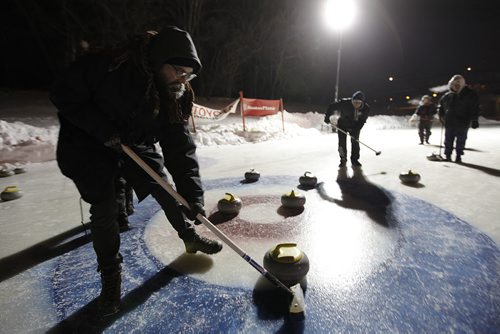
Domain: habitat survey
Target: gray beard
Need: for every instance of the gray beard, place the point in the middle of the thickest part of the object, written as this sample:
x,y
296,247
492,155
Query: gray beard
x,y
176,91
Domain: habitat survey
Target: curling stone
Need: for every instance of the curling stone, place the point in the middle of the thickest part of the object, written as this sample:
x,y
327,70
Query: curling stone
x,y
19,170
229,204
6,172
10,193
287,262
410,177
293,199
252,175
308,180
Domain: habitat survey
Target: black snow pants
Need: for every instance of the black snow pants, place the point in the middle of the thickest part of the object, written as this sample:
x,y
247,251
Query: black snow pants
x,y
100,191
124,197
424,130
451,134
354,144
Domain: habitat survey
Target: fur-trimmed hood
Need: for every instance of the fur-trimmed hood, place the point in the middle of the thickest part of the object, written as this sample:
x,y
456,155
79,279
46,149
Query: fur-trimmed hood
x,y
457,78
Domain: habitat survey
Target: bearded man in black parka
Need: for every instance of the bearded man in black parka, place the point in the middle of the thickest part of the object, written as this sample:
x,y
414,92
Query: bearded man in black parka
x,y
137,95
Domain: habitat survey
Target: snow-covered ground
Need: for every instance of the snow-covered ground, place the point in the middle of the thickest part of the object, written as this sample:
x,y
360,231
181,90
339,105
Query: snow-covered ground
x,y
30,133
23,142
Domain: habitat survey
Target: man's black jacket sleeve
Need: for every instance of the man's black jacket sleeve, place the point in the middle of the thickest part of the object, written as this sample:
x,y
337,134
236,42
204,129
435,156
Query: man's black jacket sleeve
x,y
179,153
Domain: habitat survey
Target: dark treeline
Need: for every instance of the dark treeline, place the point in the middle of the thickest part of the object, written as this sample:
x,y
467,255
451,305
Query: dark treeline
x,y
265,48
268,49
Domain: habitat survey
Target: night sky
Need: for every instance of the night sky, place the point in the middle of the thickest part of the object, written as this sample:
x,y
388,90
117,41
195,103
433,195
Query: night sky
x,y
421,43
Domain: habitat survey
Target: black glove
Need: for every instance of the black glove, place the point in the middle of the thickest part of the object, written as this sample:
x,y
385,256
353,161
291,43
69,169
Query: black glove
x,y
114,143
327,119
196,208
474,124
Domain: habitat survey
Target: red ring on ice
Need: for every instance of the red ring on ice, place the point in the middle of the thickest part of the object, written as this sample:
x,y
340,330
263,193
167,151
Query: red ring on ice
x,y
237,227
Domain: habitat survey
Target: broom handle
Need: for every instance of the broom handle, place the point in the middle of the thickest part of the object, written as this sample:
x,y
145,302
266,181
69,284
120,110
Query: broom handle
x,y
441,140
165,185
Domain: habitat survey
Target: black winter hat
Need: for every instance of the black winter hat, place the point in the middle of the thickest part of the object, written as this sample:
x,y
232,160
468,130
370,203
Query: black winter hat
x,y
359,95
173,46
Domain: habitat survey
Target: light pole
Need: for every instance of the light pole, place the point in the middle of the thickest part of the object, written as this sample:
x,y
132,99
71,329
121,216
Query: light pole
x,y
339,14
339,54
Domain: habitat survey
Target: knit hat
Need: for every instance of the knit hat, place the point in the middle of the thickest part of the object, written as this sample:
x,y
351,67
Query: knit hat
x,y
358,96
457,79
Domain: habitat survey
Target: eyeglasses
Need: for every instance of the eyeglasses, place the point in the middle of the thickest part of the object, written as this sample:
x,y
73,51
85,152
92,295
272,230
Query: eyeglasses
x,y
180,73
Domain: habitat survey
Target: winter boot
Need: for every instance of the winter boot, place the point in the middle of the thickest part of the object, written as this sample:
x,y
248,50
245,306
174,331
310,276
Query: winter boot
x,y
356,163
342,163
195,243
458,159
448,157
111,283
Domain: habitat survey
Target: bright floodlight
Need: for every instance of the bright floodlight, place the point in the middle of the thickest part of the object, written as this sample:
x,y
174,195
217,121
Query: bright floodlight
x,y
339,14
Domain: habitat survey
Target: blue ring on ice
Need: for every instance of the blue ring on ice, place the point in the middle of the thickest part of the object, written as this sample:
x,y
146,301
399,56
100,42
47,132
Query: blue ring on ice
x,y
444,276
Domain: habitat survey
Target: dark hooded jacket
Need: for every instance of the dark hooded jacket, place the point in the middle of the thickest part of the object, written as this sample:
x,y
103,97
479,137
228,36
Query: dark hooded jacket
x,y
459,109
106,94
426,112
350,118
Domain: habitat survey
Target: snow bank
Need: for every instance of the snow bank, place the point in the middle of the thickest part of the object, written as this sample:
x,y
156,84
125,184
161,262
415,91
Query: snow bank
x,y
28,143
383,122
17,134
258,129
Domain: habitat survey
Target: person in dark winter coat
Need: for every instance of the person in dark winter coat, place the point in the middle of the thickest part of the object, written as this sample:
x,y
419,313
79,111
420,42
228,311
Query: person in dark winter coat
x,y
137,95
458,110
425,112
353,113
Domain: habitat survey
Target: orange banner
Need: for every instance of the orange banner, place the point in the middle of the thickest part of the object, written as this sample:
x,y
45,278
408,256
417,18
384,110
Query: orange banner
x,y
255,107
